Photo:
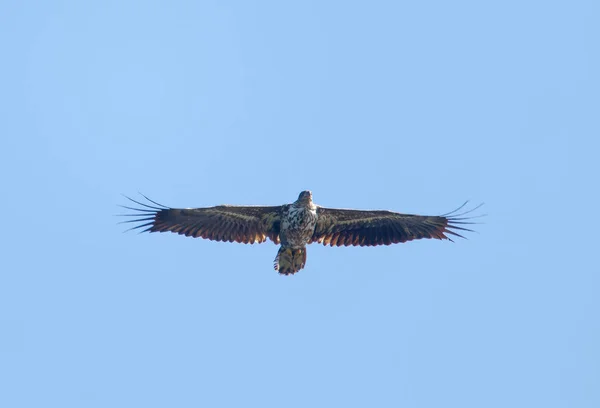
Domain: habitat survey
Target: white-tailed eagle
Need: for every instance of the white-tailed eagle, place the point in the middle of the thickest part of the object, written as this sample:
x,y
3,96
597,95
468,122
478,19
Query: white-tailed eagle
x,y
297,224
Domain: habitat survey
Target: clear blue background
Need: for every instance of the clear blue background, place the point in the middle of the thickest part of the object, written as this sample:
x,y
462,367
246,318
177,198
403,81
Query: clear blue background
x,y
408,106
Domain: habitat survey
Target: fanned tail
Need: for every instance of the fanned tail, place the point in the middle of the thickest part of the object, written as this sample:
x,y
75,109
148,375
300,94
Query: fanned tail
x,y
290,260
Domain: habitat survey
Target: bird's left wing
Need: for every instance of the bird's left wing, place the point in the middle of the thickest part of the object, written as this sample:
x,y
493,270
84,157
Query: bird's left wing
x,y
228,223
337,227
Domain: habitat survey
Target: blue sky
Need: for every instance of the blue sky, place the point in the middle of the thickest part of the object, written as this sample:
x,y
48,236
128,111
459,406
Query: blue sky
x,y
408,106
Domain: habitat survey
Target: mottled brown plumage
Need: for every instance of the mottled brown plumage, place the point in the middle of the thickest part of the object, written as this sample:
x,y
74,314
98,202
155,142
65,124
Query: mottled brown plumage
x,y
339,227
296,225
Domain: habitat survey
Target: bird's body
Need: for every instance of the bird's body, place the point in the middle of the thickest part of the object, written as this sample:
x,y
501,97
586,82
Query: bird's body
x,y
298,221
296,225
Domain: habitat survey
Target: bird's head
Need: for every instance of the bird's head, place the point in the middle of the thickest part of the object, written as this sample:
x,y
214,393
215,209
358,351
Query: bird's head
x,y
305,197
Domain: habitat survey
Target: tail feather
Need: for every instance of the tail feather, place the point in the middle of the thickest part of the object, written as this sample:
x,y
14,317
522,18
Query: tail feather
x,y
290,260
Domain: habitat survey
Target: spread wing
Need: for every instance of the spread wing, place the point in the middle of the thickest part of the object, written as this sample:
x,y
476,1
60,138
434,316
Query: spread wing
x,y
227,223
337,227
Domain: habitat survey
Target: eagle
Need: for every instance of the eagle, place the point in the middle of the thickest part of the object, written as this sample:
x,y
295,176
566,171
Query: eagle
x,y
295,225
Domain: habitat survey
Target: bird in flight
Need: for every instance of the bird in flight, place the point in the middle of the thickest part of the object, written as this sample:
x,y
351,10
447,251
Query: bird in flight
x,y
295,225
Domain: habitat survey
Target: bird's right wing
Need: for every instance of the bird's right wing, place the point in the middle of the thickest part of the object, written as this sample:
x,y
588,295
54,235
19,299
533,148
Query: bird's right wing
x,y
337,227
228,223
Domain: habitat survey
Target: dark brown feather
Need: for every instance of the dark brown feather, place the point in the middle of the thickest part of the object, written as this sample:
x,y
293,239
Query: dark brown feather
x,y
342,227
228,223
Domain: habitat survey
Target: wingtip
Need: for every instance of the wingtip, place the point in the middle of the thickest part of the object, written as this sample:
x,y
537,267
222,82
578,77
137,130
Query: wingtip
x,y
457,220
145,215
